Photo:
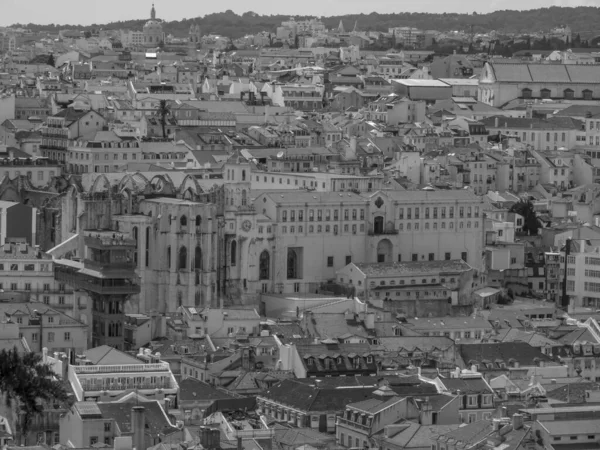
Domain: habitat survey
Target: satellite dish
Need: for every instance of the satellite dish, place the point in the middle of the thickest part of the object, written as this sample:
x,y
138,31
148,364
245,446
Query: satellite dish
x,y
280,155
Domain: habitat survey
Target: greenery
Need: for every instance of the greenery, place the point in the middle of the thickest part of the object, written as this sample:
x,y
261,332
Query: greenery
x,y
27,384
531,223
582,19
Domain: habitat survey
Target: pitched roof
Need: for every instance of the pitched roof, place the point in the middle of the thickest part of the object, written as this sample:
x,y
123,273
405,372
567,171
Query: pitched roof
x,y
106,355
571,393
155,416
466,385
311,398
193,389
506,352
545,73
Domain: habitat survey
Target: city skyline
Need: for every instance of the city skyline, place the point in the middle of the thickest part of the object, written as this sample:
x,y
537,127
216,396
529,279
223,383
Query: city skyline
x,y
114,10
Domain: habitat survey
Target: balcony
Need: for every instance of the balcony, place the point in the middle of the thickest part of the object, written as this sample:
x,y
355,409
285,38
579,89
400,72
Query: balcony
x,y
103,286
122,368
92,387
382,232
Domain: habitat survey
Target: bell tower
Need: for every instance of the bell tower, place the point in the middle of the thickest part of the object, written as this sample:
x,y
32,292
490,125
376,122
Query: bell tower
x,y
153,12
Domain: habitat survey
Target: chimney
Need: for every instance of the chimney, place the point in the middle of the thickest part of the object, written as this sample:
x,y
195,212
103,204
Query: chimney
x,y
138,426
517,421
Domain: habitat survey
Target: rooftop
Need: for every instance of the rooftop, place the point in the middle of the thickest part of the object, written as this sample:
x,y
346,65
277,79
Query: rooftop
x,y
412,267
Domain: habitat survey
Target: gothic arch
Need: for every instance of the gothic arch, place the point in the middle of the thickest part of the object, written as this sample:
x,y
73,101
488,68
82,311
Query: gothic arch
x,y
190,183
101,182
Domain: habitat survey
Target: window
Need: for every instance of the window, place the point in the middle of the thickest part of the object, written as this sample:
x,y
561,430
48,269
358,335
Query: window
x,y
34,337
330,261
431,257
348,259
67,335
447,256
93,440
463,256
51,337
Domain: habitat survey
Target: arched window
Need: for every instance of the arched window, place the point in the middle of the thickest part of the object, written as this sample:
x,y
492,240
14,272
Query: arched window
x,y
292,264
244,198
198,258
198,220
265,264
378,225
169,257
233,252
183,221
182,258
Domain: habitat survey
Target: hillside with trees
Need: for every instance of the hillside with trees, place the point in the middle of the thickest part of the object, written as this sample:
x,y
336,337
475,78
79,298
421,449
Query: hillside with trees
x,y
583,20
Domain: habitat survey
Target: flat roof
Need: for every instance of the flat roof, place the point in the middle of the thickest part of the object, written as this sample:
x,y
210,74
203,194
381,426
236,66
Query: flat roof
x,y
423,83
460,81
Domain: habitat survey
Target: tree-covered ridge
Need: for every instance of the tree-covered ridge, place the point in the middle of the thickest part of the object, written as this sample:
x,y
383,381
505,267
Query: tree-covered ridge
x,y
582,19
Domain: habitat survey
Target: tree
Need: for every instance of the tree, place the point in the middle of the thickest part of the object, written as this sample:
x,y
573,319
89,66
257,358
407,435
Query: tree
x,y
28,384
164,110
531,223
51,61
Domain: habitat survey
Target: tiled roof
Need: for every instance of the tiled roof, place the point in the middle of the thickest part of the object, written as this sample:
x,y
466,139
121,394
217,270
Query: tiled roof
x,y
106,355
311,398
553,123
505,352
155,417
413,267
546,73
192,389
466,385
471,433
571,393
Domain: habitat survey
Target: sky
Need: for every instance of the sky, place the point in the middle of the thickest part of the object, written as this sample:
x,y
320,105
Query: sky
x,y
87,12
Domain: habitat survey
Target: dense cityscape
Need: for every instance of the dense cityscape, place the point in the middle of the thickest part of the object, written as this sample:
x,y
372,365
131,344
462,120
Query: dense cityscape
x,y
303,238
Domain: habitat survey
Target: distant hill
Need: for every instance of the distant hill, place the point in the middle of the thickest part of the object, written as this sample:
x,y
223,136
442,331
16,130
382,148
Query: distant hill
x,y
583,20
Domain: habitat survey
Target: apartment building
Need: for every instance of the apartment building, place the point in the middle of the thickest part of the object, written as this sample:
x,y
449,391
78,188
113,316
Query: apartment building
x,y
45,327
583,273
26,270
105,373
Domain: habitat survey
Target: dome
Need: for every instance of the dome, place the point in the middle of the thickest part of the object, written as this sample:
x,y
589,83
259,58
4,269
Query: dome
x,y
153,24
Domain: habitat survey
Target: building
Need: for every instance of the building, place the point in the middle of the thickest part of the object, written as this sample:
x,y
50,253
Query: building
x,y
362,421
476,395
69,123
425,90
18,223
107,275
153,32
143,424
501,83
312,229
28,271
104,374
220,322
44,327
416,288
